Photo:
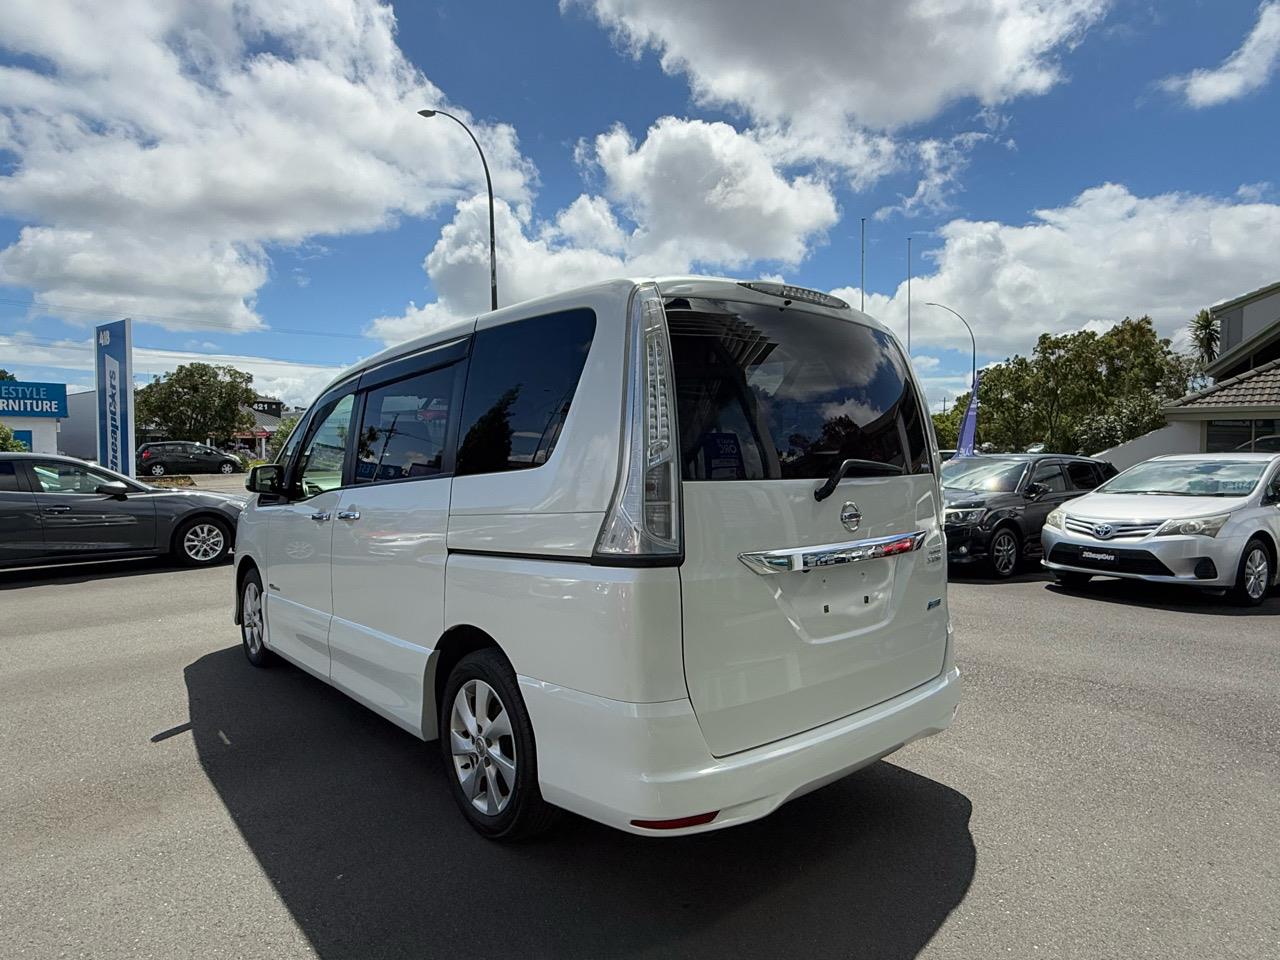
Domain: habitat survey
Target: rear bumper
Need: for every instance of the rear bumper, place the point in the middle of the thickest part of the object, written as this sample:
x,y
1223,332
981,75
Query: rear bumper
x,y
617,762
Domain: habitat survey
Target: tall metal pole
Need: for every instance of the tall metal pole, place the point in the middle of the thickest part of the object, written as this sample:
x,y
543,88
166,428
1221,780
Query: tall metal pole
x,y
862,283
493,248
908,296
973,342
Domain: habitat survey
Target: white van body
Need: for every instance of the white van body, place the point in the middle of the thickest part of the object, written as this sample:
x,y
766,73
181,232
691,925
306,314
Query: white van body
x,y
739,644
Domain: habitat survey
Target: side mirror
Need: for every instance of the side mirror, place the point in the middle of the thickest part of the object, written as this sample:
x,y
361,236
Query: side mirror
x,y
1036,490
264,478
116,488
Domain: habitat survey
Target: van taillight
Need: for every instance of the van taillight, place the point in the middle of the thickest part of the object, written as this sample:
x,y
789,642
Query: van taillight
x,y
644,518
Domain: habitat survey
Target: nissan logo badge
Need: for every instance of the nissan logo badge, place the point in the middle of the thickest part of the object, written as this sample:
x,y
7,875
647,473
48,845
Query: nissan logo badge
x,y
850,516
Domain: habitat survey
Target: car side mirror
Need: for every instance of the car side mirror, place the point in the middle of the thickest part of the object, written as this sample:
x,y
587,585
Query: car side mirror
x,y
264,478
116,488
1036,490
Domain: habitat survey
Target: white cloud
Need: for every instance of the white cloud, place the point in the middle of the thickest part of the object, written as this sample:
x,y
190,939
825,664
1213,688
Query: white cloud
x,y
878,64
160,148
941,162
694,194
1248,69
1105,255
292,382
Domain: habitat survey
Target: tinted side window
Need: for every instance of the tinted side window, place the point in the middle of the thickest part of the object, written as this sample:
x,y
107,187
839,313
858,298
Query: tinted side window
x,y
405,427
56,477
8,476
519,386
1050,474
1083,476
320,465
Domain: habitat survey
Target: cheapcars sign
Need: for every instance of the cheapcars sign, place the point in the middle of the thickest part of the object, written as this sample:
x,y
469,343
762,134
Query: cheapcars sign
x,y
113,343
19,398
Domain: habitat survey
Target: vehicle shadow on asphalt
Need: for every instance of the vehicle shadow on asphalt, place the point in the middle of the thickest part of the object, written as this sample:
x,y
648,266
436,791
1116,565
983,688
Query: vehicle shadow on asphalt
x,y
1163,596
975,573
18,578
352,821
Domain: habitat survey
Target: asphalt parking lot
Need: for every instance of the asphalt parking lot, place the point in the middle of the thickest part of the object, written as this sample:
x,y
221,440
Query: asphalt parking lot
x,y
1111,789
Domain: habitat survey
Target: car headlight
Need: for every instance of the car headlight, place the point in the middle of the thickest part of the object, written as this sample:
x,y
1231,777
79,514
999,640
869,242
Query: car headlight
x,y
1055,518
1194,526
965,517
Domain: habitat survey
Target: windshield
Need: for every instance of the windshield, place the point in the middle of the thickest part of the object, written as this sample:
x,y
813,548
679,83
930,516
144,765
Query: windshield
x,y
771,393
1189,478
987,476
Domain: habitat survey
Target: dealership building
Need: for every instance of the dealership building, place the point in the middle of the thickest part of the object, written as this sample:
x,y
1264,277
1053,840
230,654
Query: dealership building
x,y
34,412
1241,410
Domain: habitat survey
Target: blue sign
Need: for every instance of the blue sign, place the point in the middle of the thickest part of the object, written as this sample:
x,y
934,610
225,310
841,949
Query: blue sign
x,y
24,437
19,398
113,346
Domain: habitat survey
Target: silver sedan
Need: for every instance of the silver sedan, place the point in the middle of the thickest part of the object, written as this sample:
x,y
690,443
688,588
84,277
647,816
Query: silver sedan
x,y
1207,520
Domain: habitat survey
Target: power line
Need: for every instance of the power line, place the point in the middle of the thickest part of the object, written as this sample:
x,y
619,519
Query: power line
x,y
48,308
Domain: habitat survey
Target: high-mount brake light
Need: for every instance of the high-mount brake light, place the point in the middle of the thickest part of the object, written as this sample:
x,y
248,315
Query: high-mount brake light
x,y
644,519
801,294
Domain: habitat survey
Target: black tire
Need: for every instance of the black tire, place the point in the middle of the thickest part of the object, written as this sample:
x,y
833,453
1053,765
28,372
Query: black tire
x,y
226,468
1254,574
515,808
156,470
1071,579
1004,552
253,621
202,542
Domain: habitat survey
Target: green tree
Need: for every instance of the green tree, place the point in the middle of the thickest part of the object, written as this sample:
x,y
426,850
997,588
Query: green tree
x,y
1205,334
276,442
6,375
198,401
1081,392
7,442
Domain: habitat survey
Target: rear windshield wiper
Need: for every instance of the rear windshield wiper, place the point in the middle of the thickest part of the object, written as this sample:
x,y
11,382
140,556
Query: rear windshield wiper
x,y
848,467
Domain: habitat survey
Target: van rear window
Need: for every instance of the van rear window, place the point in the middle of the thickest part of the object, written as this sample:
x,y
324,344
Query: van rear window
x,y
768,393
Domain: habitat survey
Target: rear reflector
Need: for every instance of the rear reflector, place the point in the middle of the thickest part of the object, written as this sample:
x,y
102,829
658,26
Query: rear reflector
x,y
697,820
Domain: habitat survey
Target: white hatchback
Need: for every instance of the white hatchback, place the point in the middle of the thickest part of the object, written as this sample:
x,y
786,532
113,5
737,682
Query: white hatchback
x,y
666,554
1209,520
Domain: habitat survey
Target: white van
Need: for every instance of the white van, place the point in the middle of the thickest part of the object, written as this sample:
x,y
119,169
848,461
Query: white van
x,y
666,554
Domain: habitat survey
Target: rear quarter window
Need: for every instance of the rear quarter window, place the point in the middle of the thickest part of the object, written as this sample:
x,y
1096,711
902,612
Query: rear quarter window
x,y
520,385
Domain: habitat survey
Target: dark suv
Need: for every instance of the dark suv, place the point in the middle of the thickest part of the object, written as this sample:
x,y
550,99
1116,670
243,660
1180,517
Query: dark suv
x,y
996,504
182,456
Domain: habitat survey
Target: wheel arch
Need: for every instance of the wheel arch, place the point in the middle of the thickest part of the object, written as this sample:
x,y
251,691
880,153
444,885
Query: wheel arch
x,y
454,644
1269,542
243,566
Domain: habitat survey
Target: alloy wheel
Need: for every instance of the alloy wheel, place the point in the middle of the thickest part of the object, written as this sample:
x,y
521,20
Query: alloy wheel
x,y
157,470
204,542
483,747
227,468
251,618
1004,553
1257,570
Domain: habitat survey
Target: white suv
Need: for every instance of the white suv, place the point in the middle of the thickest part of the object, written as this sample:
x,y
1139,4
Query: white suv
x,y
663,554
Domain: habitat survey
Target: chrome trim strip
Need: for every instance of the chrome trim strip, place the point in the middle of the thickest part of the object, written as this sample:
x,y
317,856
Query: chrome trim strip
x,y
766,562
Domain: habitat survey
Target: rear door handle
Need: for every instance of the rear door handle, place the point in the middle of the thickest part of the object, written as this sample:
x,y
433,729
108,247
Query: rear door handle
x,y
58,508
348,514
321,516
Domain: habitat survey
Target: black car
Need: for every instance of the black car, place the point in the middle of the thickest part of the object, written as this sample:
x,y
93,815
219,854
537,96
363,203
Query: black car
x,y
996,503
183,456
61,510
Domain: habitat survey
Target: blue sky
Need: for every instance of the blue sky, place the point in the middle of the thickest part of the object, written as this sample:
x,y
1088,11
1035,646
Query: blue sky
x,y
250,181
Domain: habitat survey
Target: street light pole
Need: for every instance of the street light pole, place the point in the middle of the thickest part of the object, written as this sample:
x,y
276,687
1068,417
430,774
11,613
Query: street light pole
x,y
493,250
967,327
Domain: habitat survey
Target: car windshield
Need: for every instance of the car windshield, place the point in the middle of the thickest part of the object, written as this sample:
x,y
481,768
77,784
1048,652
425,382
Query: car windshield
x,y
988,476
1189,478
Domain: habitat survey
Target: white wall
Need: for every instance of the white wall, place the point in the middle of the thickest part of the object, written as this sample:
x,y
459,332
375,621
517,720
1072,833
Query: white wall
x,y
1259,315
1180,436
44,431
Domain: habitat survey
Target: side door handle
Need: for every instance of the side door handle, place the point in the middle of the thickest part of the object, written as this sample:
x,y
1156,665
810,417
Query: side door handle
x,y
320,516
57,508
348,514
